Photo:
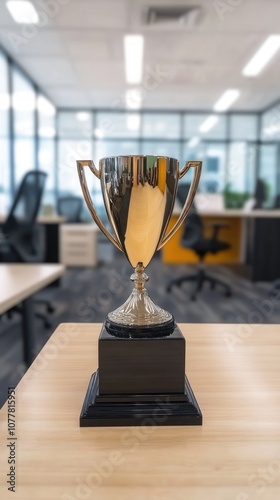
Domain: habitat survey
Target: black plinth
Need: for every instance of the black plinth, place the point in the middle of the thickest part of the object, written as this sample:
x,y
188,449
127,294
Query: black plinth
x,y
140,381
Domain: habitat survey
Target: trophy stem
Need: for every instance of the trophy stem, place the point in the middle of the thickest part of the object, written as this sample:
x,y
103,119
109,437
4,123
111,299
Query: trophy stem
x,y
139,277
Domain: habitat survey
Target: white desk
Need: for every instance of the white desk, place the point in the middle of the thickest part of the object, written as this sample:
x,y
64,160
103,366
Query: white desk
x,y
18,283
43,219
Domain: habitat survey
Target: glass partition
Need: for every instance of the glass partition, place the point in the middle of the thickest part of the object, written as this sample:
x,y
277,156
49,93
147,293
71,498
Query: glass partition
x,y
206,126
269,172
161,125
24,104
46,148
5,174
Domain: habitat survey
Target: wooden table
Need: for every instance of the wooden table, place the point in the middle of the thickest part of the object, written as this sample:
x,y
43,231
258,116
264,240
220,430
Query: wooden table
x,y
234,371
18,283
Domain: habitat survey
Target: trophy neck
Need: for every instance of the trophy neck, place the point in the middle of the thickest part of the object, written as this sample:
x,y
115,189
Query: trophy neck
x,y
139,277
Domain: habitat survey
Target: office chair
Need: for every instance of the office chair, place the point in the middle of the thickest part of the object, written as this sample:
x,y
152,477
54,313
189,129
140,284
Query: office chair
x,y
260,194
277,201
71,207
193,238
18,230
21,239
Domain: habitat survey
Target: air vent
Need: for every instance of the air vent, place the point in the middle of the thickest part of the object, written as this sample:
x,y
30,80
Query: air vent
x,y
173,15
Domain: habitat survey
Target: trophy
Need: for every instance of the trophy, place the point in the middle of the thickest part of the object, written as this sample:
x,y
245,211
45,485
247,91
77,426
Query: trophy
x,y
141,350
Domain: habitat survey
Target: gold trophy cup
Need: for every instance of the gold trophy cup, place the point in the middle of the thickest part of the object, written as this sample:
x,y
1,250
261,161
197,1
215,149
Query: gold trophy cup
x,y
139,194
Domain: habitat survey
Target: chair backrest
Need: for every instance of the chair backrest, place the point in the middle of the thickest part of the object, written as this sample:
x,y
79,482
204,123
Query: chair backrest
x,y
193,226
277,201
70,207
260,193
27,201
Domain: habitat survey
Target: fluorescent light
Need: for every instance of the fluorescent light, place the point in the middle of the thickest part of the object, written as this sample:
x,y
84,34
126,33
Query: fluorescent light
x,y
208,123
133,121
262,56
23,101
47,131
194,141
4,101
133,98
83,116
98,132
272,129
133,53
226,99
45,106
22,11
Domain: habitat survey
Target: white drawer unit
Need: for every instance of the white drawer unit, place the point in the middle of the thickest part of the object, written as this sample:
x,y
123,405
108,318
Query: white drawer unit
x,y
78,245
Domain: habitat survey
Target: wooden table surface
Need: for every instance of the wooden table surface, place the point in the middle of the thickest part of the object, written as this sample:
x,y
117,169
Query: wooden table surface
x,y
19,281
234,371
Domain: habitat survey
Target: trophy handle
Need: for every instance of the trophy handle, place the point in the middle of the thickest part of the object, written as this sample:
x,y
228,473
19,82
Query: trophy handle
x,y
88,199
197,165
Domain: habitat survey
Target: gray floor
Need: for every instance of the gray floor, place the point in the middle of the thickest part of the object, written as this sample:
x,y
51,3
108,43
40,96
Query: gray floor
x,y
88,294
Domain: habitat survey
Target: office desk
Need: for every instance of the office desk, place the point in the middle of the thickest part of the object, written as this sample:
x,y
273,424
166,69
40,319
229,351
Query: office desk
x,y
235,455
246,231
51,225
18,283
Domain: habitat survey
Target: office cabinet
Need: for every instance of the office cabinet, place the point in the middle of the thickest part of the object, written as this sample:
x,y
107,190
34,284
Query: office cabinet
x,y
78,245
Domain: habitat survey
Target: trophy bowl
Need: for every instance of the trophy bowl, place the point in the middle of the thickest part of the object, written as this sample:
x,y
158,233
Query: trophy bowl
x,y
139,194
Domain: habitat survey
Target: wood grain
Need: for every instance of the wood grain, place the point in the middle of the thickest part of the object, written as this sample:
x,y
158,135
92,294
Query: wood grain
x,y
235,455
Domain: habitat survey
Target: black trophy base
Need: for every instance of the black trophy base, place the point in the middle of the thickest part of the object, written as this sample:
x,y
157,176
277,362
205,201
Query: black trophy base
x,y
140,381
128,410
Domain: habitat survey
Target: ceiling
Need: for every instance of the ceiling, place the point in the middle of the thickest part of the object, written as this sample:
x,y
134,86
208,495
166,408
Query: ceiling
x,y
78,59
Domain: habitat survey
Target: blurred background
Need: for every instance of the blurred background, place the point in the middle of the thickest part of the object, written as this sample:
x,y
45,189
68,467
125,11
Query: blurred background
x,y
194,80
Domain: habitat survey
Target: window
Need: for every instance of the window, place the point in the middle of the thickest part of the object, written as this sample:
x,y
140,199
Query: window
x,y
268,170
46,146
46,117
23,102
161,148
69,152
241,167
193,125
117,125
75,124
243,127
161,125
213,156
270,125
46,163
5,176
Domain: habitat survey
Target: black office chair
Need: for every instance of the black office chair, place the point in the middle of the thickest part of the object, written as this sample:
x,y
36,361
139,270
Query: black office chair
x,y
70,207
260,194
21,239
193,238
277,201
